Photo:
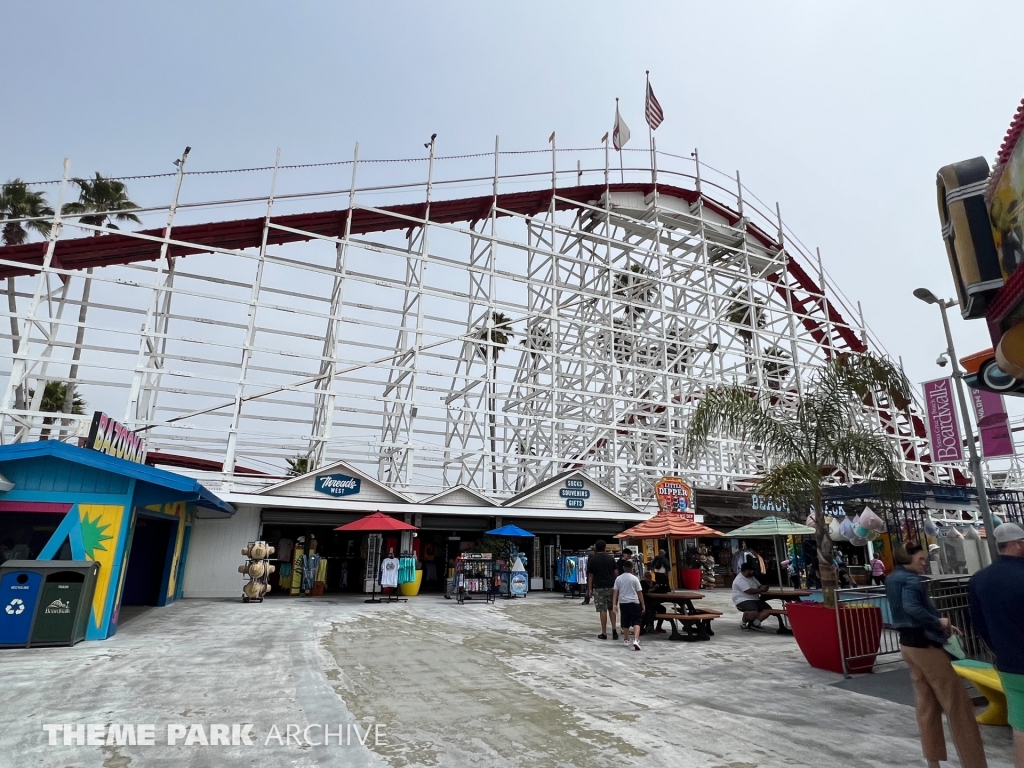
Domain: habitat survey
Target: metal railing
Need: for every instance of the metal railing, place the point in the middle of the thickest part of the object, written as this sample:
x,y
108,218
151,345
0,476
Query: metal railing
x,y
867,638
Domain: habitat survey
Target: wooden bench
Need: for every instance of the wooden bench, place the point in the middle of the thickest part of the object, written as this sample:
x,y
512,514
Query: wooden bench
x,y
985,678
780,614
697,626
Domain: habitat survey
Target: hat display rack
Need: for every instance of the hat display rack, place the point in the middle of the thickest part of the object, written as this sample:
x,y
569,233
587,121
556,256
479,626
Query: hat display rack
x,y
257,570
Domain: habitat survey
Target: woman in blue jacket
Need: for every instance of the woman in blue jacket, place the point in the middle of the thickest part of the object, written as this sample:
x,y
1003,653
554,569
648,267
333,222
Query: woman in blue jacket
x,y
937,688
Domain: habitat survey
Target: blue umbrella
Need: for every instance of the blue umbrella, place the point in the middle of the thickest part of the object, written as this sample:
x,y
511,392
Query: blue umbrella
x,y
510,531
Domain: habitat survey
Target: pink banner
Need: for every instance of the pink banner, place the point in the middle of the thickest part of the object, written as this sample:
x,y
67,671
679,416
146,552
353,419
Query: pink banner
x,y
943,427
993,422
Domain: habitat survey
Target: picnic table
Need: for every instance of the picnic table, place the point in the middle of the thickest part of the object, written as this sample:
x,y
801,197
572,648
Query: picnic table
x,y
697,623
786,596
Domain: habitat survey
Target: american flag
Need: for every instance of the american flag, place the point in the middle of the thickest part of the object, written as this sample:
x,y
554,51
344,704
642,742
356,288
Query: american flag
x,y
654,114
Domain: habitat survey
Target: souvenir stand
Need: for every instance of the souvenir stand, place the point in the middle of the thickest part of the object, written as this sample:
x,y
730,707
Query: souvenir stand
x,y
511,577
378,522
474,577
671,526
572,573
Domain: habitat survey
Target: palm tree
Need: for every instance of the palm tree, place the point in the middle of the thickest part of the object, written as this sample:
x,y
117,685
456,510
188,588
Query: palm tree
x,y
776,366
804,446
101,201
634,287
299,465
53,401
18,202
494,337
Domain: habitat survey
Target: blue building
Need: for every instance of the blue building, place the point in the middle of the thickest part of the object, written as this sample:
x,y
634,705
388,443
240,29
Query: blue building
x,y
62,502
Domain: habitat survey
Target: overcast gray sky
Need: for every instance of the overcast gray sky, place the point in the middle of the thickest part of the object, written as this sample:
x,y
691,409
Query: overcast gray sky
x,y
841,111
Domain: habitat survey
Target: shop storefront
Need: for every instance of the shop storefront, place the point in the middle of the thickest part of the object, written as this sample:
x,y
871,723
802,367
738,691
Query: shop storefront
x,y
62,502
299,516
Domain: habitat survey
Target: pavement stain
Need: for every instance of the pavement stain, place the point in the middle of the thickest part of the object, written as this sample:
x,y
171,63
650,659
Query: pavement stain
x,y
114,759
435,690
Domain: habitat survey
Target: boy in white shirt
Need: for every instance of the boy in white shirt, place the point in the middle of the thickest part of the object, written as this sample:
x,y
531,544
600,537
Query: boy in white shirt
x,y
746,596
628,597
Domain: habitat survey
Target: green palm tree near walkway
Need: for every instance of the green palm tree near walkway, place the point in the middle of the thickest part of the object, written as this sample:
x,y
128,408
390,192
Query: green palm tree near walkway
x,y
101,201
805,445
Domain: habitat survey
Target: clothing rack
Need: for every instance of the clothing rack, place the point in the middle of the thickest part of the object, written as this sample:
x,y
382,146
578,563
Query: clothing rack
x,y
571,571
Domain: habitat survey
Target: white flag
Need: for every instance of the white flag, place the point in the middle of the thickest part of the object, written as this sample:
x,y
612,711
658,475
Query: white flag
x,y
620,134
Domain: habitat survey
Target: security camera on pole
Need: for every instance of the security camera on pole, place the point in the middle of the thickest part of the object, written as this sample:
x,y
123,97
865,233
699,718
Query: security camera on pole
x,y
975,461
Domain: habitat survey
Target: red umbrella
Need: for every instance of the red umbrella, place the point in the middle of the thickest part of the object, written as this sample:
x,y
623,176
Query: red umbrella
x,y
666,525
378,522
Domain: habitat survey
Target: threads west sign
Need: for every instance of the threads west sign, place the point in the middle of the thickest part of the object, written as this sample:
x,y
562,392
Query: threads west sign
x,y
338,485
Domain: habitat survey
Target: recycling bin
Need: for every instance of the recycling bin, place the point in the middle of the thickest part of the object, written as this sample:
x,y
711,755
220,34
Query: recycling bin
x,y
63,591
19,595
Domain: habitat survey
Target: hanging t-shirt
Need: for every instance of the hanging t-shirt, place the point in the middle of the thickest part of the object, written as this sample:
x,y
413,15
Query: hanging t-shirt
x,y
389,572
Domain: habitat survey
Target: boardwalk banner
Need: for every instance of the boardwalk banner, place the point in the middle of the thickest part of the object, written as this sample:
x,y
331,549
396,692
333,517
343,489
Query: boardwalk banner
x,y
943,427
994,424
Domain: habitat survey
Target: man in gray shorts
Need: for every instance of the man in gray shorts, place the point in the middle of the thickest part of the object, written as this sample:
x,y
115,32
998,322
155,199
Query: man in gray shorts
x,y
600,583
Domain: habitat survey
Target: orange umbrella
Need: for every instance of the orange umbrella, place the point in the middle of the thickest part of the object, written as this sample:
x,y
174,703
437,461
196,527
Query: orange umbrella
x,y
667,525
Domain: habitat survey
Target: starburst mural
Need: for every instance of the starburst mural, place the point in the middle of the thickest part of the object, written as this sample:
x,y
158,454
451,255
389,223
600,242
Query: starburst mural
x,y
93,535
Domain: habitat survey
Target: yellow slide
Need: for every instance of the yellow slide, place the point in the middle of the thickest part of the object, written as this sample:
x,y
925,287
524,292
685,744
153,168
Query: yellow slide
x,y
985,678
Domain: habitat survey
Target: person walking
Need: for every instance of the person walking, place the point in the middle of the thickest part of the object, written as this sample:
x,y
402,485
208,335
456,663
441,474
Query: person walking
x,y
877,570
937,687
628,596
997,610
600,585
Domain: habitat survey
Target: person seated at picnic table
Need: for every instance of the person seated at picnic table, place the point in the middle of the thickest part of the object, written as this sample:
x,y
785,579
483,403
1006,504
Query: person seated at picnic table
x,y
651,607
746,591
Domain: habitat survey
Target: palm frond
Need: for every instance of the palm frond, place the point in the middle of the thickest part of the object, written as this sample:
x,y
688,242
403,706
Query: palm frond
x,y
17,201
736,412
871,455
792,484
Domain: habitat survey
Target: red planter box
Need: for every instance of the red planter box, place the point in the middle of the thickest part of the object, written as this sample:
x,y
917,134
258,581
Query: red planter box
x,y
691,578
814,628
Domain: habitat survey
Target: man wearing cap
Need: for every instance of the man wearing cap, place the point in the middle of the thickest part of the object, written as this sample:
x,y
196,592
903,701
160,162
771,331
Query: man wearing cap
x,y
997,609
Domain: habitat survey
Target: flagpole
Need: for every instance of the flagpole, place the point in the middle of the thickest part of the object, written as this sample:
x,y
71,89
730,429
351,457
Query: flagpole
x,y
622,172
605,140
650,131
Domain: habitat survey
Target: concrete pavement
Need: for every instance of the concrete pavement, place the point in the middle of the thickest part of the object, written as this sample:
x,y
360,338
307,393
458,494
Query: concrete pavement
x,y
525,681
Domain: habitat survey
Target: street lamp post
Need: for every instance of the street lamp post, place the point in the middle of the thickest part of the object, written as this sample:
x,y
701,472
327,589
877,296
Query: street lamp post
x,y
975,461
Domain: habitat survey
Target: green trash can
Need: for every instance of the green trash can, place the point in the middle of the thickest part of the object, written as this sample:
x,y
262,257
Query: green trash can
x,y
62,610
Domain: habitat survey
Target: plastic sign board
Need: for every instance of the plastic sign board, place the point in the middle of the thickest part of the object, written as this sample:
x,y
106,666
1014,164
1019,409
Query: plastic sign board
x,y
993,423
574,493
943,427
338,485
674,496
115,439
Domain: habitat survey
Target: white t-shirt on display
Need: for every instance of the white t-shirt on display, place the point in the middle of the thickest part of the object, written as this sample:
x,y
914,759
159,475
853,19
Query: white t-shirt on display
x,y
629,588
740,585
